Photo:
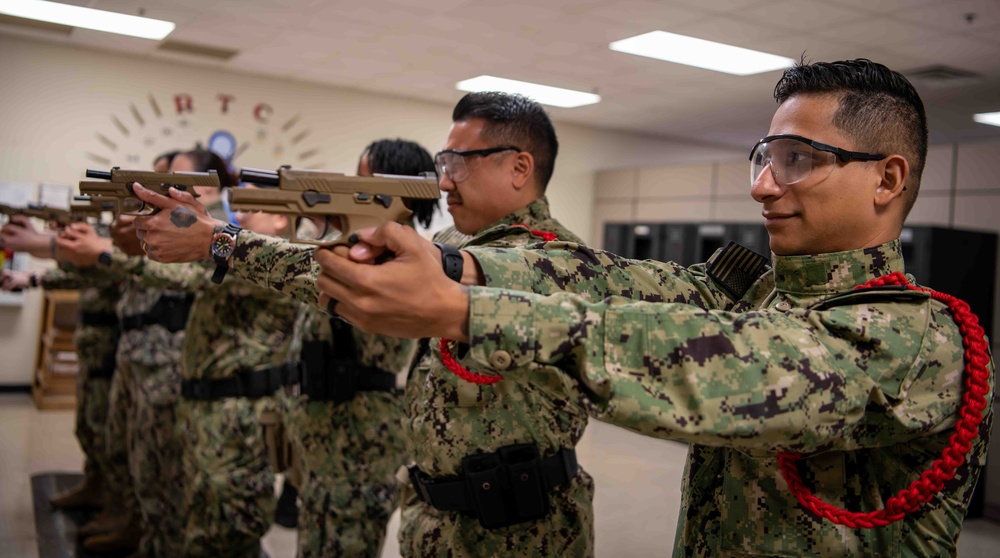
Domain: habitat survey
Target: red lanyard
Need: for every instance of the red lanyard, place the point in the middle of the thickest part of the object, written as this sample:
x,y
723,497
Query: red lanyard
x,y
943,470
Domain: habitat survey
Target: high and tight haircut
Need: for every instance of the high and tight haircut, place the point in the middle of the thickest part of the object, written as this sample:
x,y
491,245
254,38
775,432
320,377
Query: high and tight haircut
x,y
879,109
516,120
406,158
205,160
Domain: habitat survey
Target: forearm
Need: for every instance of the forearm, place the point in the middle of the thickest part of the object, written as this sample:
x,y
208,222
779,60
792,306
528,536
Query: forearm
x,y
276,264
570,267
756,380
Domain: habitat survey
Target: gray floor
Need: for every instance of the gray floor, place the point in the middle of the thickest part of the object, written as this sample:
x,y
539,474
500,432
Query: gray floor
x,y
638,482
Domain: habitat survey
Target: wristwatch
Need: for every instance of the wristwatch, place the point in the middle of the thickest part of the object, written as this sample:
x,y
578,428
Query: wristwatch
x,y
104,258
451,261
223,244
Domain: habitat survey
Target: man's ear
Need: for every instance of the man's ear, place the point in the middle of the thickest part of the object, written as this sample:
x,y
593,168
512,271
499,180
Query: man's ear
x,y
895,172
524,170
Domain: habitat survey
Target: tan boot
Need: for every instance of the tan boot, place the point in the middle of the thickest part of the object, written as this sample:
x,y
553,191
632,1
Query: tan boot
x,y
103,523
87,494
120,541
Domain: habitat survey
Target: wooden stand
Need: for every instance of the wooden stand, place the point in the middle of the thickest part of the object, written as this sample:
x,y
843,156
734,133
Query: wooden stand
x,y
54,386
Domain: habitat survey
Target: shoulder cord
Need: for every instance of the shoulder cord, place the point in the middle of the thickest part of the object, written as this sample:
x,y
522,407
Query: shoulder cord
x,y
447,345
931,481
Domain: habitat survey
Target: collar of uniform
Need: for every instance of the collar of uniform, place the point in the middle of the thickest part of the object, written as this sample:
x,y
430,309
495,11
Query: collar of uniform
x,y
835,272
529,216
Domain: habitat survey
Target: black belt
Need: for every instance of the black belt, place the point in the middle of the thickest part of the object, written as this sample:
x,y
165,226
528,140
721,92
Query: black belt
x,y
502,488
169,311
318,385
105,371
98,319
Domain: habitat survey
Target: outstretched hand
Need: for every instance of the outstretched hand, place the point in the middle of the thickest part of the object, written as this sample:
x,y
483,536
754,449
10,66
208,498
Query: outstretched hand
x,y
408,296
80,245
181,232
19,235
14,281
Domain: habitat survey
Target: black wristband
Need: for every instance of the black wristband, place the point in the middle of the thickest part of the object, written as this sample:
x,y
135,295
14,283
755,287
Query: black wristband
x,y
451,261
33,279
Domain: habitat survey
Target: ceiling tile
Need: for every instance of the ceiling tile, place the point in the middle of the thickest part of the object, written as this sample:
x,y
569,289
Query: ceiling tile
x,y
873,31
951,15
799,15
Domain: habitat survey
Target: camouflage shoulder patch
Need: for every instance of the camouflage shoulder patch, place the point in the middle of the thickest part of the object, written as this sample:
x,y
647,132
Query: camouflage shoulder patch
x,y
887,293
736,268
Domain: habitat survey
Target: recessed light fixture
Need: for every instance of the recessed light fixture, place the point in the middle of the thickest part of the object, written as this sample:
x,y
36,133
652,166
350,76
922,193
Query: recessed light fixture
x,y
700,53
991,118
544,94
87,18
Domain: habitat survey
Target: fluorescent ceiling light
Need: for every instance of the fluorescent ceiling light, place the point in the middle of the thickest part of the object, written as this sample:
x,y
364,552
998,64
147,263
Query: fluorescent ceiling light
x,y
544,94
701,53
991,118
87,18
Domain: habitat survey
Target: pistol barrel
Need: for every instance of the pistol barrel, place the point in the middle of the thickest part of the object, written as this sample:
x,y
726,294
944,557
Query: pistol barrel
x,y
102,175
259,176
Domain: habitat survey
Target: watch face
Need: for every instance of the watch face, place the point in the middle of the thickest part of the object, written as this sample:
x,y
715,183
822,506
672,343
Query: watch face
x,y
222,245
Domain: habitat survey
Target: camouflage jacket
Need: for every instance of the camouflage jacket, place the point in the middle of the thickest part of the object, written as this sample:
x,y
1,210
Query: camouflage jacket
x,y
449,418
867,384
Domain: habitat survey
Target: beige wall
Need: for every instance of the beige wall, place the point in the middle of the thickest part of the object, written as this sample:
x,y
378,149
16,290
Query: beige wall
x,y
58,107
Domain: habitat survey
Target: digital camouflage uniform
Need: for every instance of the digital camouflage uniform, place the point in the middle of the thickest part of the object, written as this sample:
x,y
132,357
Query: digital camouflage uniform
x,y
149,365
865,383
233,327
448,419
95,348
349,451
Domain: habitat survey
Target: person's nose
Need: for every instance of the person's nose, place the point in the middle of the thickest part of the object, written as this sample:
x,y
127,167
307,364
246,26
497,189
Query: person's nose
x,y
765,186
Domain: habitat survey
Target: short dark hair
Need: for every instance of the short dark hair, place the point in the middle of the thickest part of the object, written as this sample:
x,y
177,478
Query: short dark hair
x,y
879,108
205,160
516,120
404,157
169,156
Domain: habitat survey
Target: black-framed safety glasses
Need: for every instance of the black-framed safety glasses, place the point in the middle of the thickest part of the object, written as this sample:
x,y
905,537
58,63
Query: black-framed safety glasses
x,y
458,164
794,158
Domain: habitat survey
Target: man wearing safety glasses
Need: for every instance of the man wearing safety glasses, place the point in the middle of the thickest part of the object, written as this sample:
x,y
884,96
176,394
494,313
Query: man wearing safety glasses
x,y
825,376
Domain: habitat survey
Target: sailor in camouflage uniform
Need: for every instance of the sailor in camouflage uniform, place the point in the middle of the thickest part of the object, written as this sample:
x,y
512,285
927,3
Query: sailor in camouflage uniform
x,y
741,360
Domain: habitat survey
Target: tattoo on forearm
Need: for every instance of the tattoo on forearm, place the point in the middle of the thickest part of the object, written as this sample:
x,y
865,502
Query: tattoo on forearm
x,y
183,217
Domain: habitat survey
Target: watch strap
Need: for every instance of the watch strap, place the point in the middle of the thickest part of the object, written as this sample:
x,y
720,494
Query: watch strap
x,y
451,261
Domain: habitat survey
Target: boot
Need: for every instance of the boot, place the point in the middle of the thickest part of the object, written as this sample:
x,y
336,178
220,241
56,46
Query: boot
x,y
287,512
88,494
120,541
103,523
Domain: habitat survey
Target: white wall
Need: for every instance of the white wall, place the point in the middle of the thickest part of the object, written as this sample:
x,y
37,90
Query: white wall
x,y
58,107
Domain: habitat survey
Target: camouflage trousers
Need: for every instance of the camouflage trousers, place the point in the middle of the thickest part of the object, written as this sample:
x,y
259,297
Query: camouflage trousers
x,y
349,454
567,530
155,457
229,487
92,424
120,490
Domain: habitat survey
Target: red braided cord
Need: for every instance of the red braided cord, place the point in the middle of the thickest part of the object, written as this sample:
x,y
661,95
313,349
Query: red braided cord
x,y
544,235
451,364
449,361
932,480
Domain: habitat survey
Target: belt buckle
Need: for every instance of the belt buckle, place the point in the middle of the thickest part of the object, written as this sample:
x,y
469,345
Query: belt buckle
x,y
417,480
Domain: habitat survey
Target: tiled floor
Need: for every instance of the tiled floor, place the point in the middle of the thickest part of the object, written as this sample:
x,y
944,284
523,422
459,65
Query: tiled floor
x,y
638,487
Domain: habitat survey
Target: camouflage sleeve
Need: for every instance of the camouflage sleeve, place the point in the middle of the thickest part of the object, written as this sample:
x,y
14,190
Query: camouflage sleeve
x,y
803,380
571,267
189,277
275,263
63,277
